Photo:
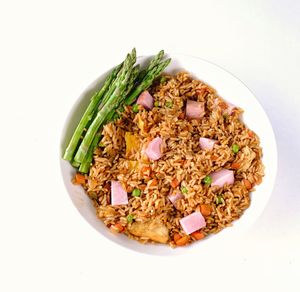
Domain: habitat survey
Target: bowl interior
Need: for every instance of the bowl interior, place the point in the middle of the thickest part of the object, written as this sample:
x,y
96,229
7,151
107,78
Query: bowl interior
x,y
232,90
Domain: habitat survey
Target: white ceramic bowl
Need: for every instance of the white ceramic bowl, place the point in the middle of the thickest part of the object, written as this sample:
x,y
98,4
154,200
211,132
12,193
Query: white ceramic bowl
x,y
232,90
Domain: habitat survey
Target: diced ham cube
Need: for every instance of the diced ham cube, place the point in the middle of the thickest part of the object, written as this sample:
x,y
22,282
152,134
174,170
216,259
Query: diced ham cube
x,y
146,100
192,222
207,144
118,194
194,109
153,150
222,177
229,109
174,197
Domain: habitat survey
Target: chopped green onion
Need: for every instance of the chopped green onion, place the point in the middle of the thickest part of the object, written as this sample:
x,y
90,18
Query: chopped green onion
x,y
207,180
156,103
235,148
136,192
184,190
135,108
220,200
130,218
169,104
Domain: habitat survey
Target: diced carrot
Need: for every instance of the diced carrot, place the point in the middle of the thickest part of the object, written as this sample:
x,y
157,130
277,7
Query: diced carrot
x,y
247,184
119,227
223,105
79,179
198,235
235,165
182,241
181,116
154,183
250,134
205,209
146,170
174,183
214,157
176,237
142,187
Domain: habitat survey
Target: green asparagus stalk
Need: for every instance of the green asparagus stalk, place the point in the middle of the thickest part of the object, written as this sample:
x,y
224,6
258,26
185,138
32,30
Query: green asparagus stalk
x,y
147,81
154,62
120,86
85,165
88,115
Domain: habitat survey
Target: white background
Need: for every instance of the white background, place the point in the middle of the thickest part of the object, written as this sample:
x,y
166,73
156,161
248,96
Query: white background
x,y
50,51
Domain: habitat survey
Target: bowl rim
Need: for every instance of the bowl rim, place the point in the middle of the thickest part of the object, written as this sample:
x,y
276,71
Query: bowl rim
x,y
94,86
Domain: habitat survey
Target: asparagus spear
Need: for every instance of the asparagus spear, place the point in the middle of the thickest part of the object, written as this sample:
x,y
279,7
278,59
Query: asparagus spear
x,y
85,165
88,115
154,62
147,81
120,86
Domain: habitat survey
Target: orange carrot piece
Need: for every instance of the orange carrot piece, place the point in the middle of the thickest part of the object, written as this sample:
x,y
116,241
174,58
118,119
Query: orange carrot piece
x,y
198,235
247,184
174,183
235,165
119,227
79,179
205,210
182,241
176,237
181,116
250,134
154,183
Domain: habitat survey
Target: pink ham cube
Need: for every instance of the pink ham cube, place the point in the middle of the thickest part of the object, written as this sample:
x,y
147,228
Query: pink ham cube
x,y
153,150
174,197
222,177
118,194
192,222
194,109
207,144
146,100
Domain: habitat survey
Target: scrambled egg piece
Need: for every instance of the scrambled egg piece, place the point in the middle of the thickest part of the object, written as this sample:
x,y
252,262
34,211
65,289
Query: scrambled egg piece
x,y
153,229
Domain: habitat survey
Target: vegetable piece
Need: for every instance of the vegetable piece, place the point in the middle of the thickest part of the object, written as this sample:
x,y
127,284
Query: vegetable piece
x,y
192,222
181,116
182,241
153,229
133,165
176,237
222,177
163,79
247,184
118,194
88,114
156,103
184,190
235,148
153,150
207,144
235,165
130,218
194,109
146,100
135,108
79,179
207,180
118,227
205,210
169,104
119,86
174,197
198,235
220,200
175,183
136,193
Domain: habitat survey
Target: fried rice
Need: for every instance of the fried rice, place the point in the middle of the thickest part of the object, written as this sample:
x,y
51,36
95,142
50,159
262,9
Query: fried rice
x,y
183,165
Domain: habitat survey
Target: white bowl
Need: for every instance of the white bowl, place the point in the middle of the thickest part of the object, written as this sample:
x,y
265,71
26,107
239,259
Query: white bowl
x,y
232,90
